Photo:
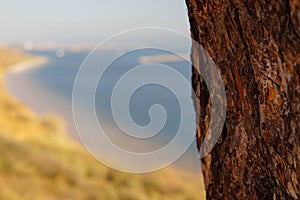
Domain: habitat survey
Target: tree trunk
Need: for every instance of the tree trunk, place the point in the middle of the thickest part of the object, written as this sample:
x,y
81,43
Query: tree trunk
x,y
256,46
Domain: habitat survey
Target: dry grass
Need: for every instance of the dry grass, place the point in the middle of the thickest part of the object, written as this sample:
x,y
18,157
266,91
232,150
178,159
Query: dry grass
x,y
38,161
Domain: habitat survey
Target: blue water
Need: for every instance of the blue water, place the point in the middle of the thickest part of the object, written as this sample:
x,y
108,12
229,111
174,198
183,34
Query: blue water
x,y
59,74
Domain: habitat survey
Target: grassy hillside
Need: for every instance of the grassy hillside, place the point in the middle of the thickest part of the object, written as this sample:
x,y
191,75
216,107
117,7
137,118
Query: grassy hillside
x,y
38,161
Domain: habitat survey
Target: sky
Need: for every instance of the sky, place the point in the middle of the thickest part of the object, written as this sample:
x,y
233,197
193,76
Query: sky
x,y
82,21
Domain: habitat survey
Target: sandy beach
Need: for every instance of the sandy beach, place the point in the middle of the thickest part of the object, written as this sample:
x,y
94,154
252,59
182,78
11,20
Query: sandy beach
x,y
28,64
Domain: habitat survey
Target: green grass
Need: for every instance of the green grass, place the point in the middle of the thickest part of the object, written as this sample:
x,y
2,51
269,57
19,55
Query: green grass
x,y
38,161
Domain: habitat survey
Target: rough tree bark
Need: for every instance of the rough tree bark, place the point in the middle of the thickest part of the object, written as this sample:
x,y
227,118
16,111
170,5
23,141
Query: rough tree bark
x,y
256,46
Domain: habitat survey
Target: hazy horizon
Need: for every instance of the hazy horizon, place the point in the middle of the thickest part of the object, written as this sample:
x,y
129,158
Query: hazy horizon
x,y
69,22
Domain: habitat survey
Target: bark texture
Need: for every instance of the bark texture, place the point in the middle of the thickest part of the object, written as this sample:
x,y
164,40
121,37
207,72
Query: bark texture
x,y
256,46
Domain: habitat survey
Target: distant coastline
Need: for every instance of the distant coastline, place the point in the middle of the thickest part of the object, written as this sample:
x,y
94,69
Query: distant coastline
x,y
43,101
36,152
28,64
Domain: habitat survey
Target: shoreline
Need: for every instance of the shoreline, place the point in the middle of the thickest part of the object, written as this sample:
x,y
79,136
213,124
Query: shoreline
x,y
26,65
16,87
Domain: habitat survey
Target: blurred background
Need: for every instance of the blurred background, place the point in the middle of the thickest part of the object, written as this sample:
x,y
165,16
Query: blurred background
x,y
42,46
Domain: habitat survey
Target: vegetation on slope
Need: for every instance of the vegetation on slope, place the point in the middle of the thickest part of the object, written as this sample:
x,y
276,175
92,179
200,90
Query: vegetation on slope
x,y
38,161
